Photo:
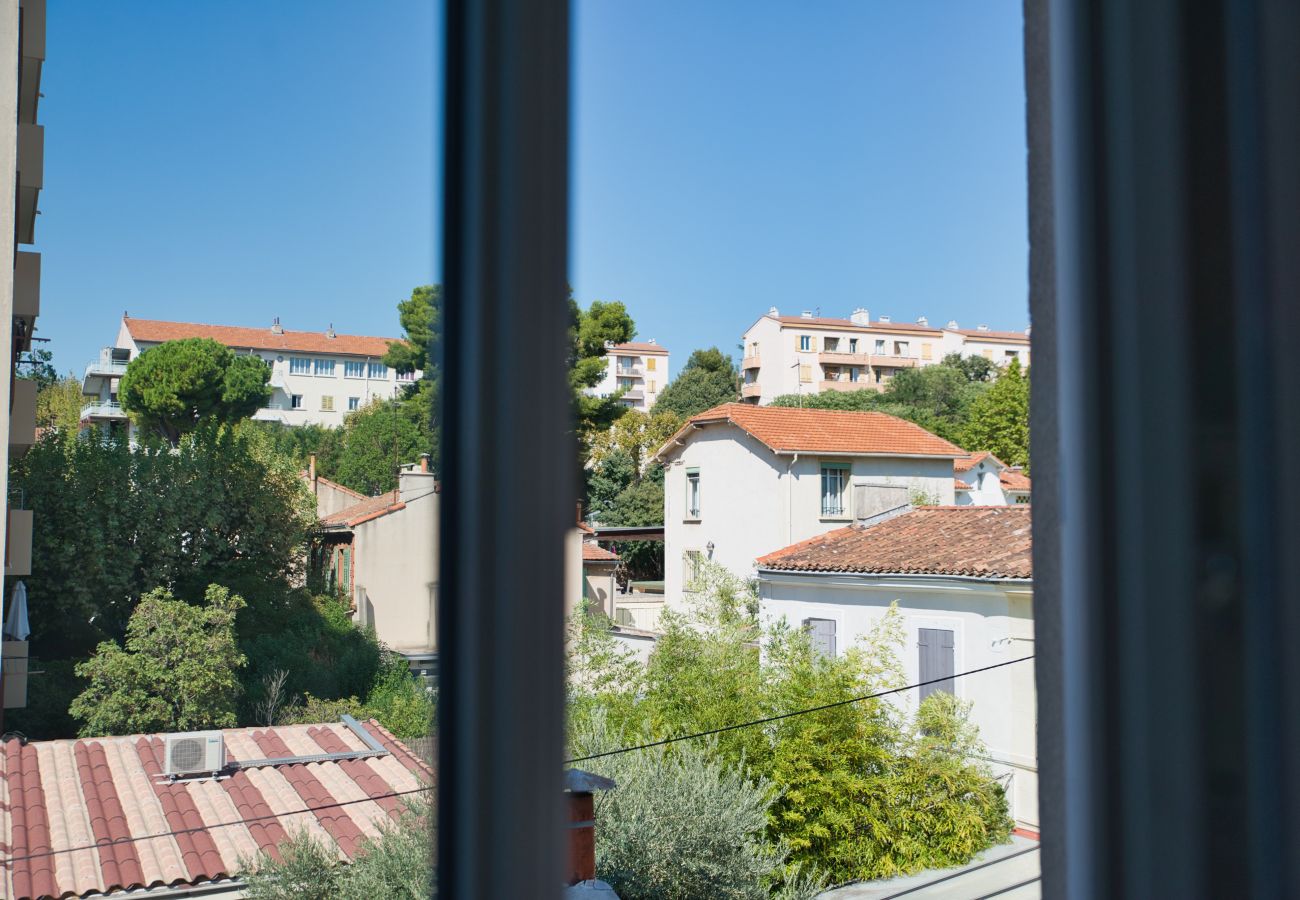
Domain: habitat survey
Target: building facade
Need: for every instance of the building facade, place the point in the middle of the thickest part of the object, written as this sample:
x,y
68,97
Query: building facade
x,y
808,354
639,370
962,580
984,480
317,377
740,480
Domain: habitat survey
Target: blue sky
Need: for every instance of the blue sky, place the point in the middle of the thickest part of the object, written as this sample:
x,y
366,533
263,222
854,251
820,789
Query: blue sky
x,y
230,162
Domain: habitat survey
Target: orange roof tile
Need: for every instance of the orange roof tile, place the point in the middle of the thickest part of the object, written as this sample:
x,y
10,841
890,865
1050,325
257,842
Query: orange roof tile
x,y
876,325
367,509
95,816
966,463
1014,480
789,429
960,485
154,331
974,541
641,347
593,552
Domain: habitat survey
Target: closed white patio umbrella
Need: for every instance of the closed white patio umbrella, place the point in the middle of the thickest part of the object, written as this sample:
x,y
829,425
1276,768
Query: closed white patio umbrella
x,y
16,625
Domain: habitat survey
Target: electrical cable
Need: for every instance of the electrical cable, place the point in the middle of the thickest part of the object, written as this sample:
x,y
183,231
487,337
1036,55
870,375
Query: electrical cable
x,y
790,715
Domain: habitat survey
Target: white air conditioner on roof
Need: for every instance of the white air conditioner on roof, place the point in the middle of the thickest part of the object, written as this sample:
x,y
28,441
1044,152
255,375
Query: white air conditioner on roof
x,y
193,753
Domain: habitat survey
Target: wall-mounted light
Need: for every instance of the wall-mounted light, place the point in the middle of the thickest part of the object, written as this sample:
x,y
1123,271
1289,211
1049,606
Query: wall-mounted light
x,y
709,547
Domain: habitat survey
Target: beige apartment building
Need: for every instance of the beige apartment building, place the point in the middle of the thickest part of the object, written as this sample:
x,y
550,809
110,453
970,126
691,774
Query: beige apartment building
x,y
808,354
639,369
22,159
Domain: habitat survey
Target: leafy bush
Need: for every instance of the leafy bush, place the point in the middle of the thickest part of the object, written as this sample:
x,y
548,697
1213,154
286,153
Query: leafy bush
x,y
396,698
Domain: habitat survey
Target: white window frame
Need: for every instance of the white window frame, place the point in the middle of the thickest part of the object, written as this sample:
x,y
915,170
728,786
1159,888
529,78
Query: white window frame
x,y
377,370
295,401
845,471
694,494
323,368
299,365
354,404
354,369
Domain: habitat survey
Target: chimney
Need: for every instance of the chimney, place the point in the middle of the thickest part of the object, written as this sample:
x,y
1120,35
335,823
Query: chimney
x,y
981,328
581,869
275,326
807,314
860,317
952,325
1027,327
772,311
311,470
329,332
923,322
414,480
884,320
424,463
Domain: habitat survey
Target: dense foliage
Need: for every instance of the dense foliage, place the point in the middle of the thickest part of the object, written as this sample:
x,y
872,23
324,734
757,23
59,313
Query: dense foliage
x,y
709,377
178,671
397,864
172,388
589,331
999,419
861,789
58,405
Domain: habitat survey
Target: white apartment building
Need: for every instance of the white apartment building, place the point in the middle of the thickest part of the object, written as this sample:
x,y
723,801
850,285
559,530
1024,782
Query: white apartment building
x,y
317,377
639,369
962,578
808,354
742,479
984,480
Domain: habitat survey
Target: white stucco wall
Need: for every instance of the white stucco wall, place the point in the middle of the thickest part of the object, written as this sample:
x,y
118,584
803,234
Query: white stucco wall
x,y
395,575
649,381
992,622
753,501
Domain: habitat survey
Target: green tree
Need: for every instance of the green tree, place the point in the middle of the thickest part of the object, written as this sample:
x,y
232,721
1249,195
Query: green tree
x,y
975,368
589,331
40,368
865,400
174,386
376,439
999,419
58,405
178,670
708,379
421,347
640,503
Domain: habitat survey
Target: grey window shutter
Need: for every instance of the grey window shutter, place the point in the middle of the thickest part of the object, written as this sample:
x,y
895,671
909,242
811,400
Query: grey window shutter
x,y
822,633
937,657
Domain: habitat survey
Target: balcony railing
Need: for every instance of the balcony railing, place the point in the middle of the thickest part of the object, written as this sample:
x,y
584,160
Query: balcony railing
x,y
751,390
894,362
103,409
749,362
105,367
833,358
844,385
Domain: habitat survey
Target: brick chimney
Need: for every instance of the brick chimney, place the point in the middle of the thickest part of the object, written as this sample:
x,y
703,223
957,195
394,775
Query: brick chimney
x,y
311,470
581,786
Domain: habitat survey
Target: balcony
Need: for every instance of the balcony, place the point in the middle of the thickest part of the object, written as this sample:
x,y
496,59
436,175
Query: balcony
x,y
31,169
22,417
27,288
894,362
843,359
634,372
33,48
103,411
751,390
18,543
844,385
749,362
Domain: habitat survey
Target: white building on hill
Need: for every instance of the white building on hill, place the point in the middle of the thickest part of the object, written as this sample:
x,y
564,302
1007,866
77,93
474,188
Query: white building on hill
x,y
317,377
639,369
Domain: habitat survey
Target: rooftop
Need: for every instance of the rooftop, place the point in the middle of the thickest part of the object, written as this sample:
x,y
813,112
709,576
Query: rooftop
x,y
92,816
155,331
593,552
991,542
790,429
876,324
1017,336
640,347
365,510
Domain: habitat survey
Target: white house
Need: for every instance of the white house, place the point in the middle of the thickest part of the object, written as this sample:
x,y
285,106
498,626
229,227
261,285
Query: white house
x,y
317,377
639,369
984,480
963,580
741,479
999,346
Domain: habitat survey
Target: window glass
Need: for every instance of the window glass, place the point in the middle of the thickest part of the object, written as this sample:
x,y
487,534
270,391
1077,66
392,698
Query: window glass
x,y
378,370
295,402
324,367
693,493
354,403
805,342
353,369
299,365
835,478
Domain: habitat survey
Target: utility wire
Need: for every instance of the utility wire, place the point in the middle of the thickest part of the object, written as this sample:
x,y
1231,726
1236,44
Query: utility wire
x,y
161,834
790,715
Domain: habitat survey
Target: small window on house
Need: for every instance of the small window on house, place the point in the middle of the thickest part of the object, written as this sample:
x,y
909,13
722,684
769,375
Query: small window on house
x,y
936,663
805,342
831,345
378,370
753,349
805,373
693,493
327,403
650,364
691,568
295,401
900,348
1011,354
821,632
405,376
853,345
354,369
324,367
835,485
354,403
299,365
1022,498
880,347
651,387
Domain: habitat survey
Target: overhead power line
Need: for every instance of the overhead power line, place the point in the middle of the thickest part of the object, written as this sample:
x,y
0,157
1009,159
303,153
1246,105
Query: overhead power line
x,y
799,712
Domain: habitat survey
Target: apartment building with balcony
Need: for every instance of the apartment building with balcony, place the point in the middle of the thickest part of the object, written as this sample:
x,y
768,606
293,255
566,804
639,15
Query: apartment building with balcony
x,y
638,369
317,377
808,353
22,159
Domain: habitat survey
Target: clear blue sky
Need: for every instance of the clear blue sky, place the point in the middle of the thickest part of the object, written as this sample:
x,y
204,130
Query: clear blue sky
x,y
229,162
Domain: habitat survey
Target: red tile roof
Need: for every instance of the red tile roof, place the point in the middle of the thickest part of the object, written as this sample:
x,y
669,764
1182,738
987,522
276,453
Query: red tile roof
x,y
1018,337
1014,480
876,325
789,429
959,485
978,541
94,816
153,331
367,509
593,552
641,347
966,463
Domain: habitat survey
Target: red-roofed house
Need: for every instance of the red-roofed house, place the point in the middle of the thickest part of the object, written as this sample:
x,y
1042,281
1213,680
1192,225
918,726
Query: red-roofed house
x,y
638,368
962,577
99,816
742,479
317,377
985,480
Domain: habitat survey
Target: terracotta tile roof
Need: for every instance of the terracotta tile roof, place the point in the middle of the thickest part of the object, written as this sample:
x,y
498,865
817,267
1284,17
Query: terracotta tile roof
x,y
978,541
876,325
959,485
1014,480
640,347
593,552
966,463
94,816
151,330
367,509
1018,337
790,429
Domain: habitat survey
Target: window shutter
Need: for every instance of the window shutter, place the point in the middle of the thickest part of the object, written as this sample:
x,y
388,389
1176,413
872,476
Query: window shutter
x,y
796,343
936,657
822,634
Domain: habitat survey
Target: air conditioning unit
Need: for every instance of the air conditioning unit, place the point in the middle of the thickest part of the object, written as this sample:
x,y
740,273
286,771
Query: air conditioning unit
x,y
194,753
